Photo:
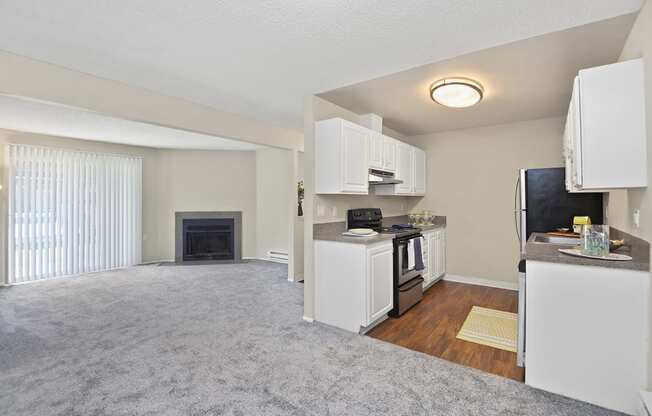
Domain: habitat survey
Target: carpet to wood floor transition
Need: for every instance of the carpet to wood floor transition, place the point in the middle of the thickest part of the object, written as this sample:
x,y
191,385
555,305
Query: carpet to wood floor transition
x,y
221,340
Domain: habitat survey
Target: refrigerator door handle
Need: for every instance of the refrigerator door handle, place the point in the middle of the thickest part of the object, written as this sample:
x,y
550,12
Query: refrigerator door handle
x,y
517,211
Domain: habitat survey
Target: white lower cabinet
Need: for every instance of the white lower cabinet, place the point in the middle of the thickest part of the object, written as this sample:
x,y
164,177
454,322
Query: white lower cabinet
x,y
434,255
587,332
380,280
353,283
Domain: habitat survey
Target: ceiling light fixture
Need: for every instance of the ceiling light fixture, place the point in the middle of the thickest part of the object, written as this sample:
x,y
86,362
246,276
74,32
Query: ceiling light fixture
x,y
456,92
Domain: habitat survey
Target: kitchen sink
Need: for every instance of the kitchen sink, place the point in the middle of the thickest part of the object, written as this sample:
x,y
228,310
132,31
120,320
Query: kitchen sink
x,y
550,239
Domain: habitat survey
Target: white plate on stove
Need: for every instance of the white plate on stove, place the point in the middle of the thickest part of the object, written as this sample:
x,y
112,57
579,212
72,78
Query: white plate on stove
x,y
360,232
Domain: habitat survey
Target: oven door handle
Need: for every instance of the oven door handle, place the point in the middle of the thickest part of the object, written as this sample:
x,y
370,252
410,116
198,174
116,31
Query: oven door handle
x,y
411,284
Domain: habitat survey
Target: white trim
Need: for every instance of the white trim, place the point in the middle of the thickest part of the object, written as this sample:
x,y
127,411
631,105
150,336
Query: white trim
x,y
480,281
646,400
310,320
297,278
150,262
265,259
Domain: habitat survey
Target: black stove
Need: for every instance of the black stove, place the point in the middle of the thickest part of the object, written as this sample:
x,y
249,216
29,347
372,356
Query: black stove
x,y
373,218
399,229
408,289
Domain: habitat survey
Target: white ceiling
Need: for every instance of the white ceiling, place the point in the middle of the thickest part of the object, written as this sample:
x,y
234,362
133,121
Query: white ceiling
x,y
22,114
524,80
261,58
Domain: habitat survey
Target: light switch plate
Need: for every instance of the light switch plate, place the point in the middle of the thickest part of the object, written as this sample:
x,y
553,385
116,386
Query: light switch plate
x,y
637,218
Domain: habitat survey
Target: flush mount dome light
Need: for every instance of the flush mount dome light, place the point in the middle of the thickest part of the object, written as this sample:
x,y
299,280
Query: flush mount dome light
x,y
456,92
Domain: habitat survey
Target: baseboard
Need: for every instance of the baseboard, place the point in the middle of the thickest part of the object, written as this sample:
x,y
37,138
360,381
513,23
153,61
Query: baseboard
x,y
480,281
297,278
305,318
266,259
150,262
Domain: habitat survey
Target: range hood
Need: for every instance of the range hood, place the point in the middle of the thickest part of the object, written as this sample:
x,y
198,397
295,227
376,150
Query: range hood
x,y
381,177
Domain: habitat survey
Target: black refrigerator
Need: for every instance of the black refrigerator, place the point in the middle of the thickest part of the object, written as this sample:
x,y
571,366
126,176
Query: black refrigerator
x,y
542,204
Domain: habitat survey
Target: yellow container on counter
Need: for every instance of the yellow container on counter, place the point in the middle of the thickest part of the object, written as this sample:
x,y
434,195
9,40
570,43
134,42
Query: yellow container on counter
x,y
578,222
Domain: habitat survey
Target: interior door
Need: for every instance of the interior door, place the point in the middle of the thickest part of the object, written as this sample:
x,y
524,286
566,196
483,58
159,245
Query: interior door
x,y
355,173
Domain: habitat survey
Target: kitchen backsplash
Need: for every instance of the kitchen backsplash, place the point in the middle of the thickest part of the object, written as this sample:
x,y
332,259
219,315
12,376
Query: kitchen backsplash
x,y
332,208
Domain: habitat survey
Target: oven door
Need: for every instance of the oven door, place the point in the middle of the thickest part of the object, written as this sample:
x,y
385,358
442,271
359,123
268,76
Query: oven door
x,y
403,272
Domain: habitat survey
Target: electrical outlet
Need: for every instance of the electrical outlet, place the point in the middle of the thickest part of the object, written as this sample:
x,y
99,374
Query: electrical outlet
x,y
637,218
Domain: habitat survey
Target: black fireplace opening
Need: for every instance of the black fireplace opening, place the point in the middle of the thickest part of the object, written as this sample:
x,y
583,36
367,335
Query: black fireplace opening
x,y
208,239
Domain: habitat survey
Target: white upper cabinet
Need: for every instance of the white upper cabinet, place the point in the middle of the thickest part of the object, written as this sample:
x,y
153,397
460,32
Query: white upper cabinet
x,y
419,172
405,169
345,151
389,154
376,150
605,134
341,157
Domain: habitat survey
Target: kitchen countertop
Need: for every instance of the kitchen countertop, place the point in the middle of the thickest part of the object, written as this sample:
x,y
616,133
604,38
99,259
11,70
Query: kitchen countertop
x,y
635,247
332,231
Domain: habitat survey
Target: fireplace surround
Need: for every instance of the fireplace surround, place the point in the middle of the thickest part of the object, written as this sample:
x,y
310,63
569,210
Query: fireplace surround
x,y
214,236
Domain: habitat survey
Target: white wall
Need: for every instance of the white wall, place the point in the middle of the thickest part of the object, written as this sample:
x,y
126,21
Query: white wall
x,y
621,204
274,193
471,176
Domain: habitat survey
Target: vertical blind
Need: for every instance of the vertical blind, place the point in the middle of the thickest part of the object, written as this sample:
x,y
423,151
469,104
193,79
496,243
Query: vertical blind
x,y
72,212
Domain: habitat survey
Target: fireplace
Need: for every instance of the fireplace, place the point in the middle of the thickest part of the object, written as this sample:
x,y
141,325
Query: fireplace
x,y
208,239
208,236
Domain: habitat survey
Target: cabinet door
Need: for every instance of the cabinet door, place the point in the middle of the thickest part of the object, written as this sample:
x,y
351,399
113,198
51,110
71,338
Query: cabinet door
x,y
612,123
355,142
405,169
438,254
389,154
419,172
427,259
376,150
380,280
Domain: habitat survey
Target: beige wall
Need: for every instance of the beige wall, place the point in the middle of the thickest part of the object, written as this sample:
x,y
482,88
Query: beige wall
x,y
621,204
26,77
274,194
227,182
204,180
471,176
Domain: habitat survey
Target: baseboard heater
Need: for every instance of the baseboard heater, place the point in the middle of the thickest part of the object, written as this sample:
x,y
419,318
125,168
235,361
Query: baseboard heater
x,y
280,256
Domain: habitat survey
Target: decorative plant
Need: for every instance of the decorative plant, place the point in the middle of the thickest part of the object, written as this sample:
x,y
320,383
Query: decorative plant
x,y
300,195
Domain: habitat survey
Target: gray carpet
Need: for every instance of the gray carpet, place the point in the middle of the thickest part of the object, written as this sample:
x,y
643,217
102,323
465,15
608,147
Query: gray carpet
x,y
221,340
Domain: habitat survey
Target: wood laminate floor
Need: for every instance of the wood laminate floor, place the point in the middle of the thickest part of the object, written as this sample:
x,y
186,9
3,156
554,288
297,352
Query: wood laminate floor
x,y
431,326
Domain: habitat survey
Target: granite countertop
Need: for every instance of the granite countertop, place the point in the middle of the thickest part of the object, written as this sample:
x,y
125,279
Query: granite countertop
x,y
635,247
332,231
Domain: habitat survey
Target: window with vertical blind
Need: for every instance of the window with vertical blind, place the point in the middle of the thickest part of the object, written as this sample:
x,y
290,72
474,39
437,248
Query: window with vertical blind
x,y
71,212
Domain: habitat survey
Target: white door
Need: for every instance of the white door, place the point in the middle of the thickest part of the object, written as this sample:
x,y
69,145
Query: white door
x,y
380,280
419,172
376,150
355,142
389,154
405,169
